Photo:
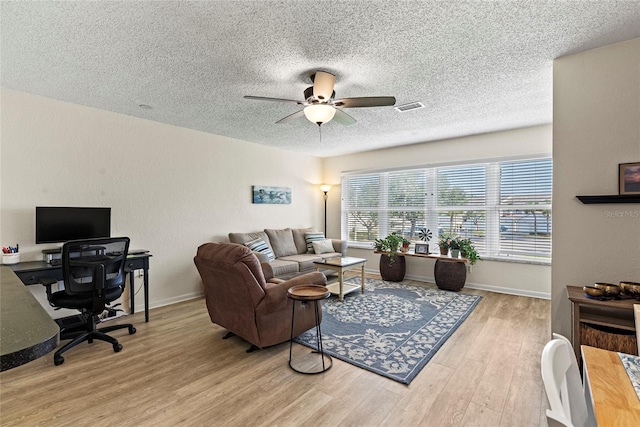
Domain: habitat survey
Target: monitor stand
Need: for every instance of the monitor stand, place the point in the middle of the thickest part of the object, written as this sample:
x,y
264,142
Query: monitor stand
x,y
52,256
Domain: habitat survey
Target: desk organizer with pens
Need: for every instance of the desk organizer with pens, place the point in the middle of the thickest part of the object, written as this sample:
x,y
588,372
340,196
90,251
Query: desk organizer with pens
x,y
11,258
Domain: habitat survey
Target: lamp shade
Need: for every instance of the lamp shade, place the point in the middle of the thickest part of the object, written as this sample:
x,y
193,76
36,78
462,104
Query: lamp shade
x,y
319,113
325,188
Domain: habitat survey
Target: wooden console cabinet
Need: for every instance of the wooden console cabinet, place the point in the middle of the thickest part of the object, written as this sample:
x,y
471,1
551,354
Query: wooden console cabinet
x,y
610,323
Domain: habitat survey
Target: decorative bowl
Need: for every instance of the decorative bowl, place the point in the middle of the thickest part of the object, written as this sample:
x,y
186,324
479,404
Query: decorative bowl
x,y
592,291
630,288
609,288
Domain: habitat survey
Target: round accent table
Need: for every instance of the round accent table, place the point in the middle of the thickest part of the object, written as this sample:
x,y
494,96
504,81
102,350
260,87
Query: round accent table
x,y
305,294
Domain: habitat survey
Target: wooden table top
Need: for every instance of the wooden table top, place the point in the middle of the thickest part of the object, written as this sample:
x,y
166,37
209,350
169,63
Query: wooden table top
x,y
345,261
432,256
576,294
308,292
615,402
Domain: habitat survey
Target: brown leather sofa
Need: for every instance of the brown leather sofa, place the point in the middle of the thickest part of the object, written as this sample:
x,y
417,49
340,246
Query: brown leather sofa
x,y
240,299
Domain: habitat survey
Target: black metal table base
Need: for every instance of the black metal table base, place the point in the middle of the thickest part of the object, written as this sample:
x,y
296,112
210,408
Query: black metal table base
x,y
327,361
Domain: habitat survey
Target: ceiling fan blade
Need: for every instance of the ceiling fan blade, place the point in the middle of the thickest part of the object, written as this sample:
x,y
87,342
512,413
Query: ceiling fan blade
x,y
291,117
343,118
323,83
262,98
366,101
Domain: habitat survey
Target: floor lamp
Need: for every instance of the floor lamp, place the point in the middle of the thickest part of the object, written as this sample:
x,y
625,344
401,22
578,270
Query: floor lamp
x,y
325,189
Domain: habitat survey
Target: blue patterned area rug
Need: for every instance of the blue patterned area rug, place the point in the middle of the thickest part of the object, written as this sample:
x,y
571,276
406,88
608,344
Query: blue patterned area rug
x,y
393,329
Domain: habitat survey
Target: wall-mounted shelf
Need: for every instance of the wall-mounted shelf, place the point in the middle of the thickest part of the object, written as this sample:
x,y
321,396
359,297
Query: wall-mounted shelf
x,y
589,200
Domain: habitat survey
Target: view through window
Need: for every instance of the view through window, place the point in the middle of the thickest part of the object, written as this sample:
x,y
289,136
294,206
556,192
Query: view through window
x,y
504,207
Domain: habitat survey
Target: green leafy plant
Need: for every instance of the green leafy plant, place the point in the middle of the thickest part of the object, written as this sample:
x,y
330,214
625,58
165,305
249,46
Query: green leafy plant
x,y
444,241
455,243
469,251
390,244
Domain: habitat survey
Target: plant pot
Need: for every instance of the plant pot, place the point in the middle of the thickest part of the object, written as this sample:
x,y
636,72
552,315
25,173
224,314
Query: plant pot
x,y
392,272
455,253
404,247
444,251
450,275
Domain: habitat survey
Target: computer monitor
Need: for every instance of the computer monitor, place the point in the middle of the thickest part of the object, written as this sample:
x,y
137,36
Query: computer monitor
x,y
56,224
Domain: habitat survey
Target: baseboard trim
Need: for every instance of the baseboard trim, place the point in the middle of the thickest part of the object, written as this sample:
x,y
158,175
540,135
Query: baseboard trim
x,y
478,286
510,291
169,301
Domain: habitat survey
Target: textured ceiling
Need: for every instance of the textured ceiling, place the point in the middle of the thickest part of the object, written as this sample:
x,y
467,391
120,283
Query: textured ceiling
x,y
477,66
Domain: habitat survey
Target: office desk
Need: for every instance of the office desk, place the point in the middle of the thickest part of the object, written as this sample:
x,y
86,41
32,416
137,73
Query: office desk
x,y
32,272
607,388
28,331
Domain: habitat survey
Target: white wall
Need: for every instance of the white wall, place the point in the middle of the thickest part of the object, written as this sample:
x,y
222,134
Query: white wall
x,y
596,127
170,189
524,279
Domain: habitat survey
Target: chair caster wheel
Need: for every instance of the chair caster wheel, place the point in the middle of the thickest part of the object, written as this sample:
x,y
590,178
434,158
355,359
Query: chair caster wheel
x,y
58,360
132,330
117,347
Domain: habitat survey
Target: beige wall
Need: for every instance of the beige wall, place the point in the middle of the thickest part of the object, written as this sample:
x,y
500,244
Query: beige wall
x,y
524,279
596,127
170,189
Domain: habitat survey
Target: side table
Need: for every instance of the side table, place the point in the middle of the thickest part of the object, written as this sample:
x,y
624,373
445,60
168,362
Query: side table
x,y
341,265
607,324
450,274
304,294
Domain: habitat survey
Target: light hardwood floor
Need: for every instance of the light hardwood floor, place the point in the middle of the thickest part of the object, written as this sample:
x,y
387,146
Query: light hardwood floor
x,y
177,371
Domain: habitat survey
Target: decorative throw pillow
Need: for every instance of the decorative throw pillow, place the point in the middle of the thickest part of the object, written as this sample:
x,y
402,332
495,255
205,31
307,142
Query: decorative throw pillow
x,y
282,242
312,237
259,245
322,246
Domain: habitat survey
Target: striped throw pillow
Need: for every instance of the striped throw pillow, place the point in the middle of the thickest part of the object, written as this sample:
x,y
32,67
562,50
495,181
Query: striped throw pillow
x,y
259,245
312,237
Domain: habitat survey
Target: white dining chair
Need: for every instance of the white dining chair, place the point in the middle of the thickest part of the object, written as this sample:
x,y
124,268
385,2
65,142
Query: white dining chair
x,y
562,337
563,385
636,314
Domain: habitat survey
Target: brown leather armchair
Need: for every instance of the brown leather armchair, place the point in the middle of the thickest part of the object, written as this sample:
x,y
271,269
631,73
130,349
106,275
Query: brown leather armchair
x,y
240,299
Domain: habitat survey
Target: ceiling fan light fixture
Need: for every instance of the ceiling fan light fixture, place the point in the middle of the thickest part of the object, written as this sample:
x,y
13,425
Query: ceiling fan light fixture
x,y
323,83
319,113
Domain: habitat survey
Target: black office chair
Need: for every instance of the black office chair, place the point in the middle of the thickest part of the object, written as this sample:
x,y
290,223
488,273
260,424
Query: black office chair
x,y
94,275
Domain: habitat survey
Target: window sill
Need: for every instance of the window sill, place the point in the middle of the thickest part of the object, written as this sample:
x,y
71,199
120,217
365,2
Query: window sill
x,y
515,260
360,246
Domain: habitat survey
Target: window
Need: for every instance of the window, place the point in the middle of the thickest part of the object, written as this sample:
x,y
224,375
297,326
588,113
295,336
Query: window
x,y
503,207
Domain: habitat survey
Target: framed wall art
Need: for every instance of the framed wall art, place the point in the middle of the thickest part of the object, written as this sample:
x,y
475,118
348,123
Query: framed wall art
x,y
629,178
271,195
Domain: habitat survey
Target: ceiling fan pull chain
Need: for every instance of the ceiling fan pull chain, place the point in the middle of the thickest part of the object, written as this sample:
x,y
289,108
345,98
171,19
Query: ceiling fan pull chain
x,y
320,130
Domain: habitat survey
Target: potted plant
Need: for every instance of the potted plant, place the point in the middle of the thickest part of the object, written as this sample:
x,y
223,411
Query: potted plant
x,y
444,242
405,245
392,268
468,251
455,247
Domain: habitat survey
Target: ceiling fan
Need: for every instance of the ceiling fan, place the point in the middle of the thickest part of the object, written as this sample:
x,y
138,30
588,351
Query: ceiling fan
x,y
320,105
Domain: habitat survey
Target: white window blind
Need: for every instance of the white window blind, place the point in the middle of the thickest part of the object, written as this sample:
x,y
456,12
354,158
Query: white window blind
x,y
525,208
503,207
360,206
462,203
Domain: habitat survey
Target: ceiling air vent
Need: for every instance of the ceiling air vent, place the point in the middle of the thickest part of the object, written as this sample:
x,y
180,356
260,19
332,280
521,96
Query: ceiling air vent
x,y
410,106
